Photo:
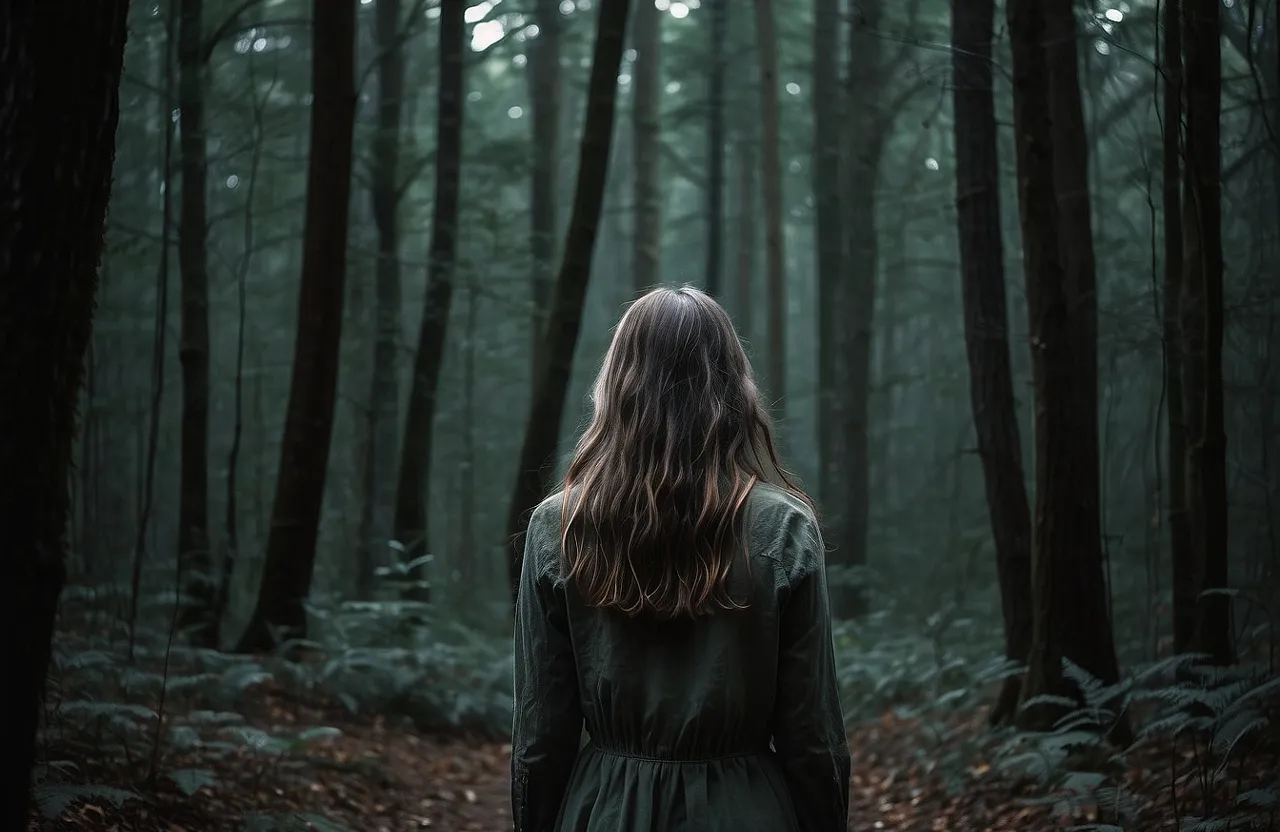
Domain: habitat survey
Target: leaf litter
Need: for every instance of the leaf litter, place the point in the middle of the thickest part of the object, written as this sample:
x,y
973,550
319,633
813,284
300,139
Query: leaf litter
x,y
300,766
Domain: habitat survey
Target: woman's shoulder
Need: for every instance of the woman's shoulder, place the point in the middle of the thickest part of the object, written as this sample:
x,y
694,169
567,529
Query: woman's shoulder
x,y
771,503
781,526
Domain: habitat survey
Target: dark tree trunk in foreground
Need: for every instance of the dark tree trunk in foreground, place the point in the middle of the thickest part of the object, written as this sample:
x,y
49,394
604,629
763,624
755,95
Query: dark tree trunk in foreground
x,y
411,522
544,100
385,193
60,68
551,385
199,616
1183,567
986,325
646,123
1202,325
1051,357
718,11
1071,611
1082,593
304,450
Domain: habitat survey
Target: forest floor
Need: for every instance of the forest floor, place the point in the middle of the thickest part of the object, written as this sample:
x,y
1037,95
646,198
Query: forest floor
x,y
371,775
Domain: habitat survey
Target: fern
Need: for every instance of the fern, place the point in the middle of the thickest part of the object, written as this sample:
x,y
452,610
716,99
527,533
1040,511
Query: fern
x,y
53,801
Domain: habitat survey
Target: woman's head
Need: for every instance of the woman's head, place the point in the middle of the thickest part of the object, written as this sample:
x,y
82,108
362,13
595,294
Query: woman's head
x,y
655,494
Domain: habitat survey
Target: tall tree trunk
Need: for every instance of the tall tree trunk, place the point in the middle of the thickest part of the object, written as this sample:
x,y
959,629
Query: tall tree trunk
x,y
771,181
647,136
199,616
1184,571
718,10
546,407
986,328
746,237
1071,615
544,99
828,229
304,450
385,193
1084,595
868,126
412,491
60,76
1050,348
1202,322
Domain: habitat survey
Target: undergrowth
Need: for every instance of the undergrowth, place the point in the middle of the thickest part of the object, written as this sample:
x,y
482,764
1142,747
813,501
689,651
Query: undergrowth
x,y
1206,750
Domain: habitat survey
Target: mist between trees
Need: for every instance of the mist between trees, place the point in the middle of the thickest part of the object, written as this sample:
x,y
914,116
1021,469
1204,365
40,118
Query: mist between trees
x,y
1007,273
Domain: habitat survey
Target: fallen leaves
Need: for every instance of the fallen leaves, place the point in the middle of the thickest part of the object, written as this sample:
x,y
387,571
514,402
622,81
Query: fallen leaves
x,y
376,775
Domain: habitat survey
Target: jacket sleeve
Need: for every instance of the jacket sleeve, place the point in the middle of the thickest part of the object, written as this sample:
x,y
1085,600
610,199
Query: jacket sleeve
x,y
808,724
547,718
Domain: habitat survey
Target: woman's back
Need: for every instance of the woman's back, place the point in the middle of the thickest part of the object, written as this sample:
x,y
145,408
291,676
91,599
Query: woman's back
x,y
728,721
676,607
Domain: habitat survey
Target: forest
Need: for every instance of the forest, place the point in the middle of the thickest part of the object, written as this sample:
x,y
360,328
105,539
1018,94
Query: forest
x,y
300,301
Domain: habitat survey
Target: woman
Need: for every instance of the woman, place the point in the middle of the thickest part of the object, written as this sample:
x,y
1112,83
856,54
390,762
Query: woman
x,y
673,602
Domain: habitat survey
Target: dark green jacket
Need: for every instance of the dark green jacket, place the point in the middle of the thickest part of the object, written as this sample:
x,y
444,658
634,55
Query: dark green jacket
x,y
730,723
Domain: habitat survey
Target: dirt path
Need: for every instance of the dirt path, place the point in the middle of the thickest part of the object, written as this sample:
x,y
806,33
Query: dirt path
x,y
379,776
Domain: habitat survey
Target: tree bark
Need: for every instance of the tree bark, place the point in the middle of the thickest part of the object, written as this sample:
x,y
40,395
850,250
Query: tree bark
x,y
1183,567
987,329
1071,609
867,131
745,267
60,65
412,491
718,10
385,192
647,126
1046,309
304,452
544,99
1084,599
199,616
828,230
546,407
771,194
1202,322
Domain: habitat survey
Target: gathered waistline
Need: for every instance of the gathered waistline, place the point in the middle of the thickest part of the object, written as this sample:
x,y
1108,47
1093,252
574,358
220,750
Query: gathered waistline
x,y
650,758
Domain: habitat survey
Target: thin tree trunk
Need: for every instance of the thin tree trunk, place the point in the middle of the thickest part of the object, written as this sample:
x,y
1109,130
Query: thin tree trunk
x,y
647,129
987,328
546,408
199,617
412,491
746,241
718,10
1083,592
385,192
868,128
828,229
771,193
304,451
467,546
1202,323
59,76
544,98
1184,570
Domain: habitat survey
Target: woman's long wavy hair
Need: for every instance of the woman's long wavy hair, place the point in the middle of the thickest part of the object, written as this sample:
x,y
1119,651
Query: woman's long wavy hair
x,y
654,499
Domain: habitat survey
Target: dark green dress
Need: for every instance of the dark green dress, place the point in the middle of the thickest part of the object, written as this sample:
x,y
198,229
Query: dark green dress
x,y
731,723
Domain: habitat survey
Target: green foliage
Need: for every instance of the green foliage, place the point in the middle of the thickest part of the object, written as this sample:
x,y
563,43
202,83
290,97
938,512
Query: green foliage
x,y
53,800
1226,715
938,664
